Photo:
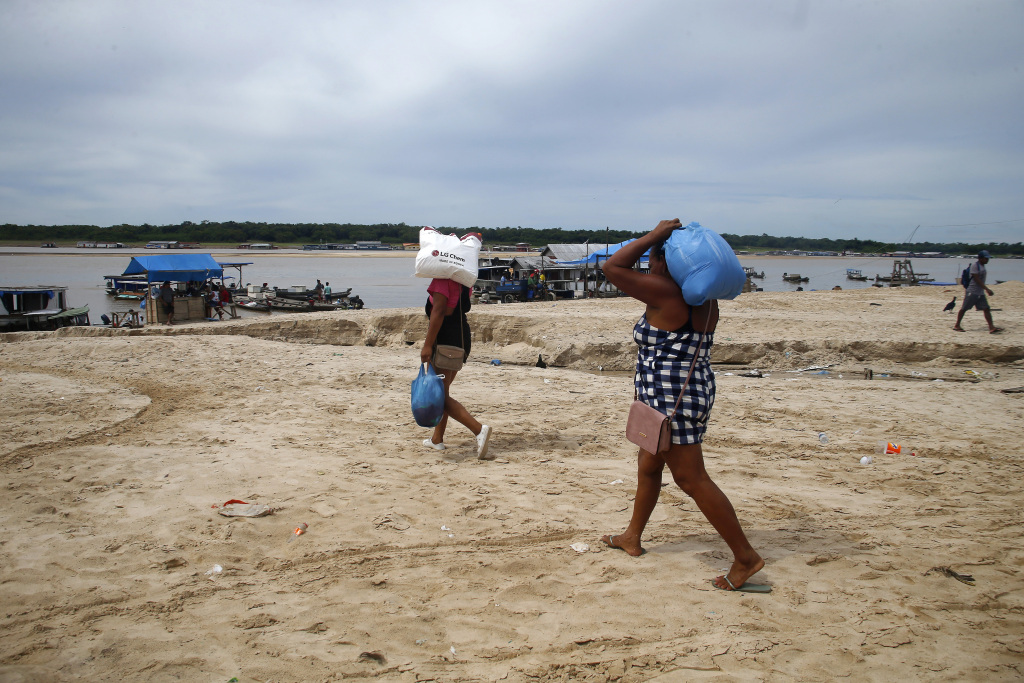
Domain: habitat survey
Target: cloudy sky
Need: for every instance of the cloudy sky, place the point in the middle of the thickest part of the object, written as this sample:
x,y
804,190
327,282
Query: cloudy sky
x,y
821,119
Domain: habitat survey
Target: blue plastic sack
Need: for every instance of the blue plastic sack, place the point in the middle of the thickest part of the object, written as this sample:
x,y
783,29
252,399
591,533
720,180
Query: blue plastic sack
x,y
703,265
427,397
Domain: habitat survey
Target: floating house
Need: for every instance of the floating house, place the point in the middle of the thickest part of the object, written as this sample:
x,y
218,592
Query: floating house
x,y
38,308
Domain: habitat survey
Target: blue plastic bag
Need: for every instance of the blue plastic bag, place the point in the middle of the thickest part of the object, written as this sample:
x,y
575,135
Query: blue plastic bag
x,y
703,265
427,397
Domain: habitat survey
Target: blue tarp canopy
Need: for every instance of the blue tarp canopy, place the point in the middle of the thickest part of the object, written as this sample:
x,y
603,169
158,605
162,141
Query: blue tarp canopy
x,y
595,257
175,267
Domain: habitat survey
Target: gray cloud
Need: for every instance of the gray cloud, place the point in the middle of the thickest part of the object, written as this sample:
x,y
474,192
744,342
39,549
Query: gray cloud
x,y
817,119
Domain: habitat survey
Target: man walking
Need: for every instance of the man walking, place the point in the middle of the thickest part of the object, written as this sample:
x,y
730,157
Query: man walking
x,y
974,297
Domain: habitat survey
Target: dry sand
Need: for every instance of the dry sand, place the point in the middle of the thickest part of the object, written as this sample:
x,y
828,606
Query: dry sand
x,y
420,565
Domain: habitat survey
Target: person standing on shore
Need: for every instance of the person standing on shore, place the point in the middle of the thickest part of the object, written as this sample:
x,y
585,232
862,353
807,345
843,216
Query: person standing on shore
x,y
167,301
446,308
974,296
671,336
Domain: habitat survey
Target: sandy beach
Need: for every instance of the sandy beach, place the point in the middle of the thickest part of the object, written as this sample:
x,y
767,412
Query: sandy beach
x,y
121,446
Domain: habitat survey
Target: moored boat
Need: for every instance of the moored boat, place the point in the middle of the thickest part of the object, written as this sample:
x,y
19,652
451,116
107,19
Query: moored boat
x,y
855,274
38,308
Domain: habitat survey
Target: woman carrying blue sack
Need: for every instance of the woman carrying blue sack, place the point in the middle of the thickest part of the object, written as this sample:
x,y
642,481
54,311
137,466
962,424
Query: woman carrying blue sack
x,y
672,335
446,347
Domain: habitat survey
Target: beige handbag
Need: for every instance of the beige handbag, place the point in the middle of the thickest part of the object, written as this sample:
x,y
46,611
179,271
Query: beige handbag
x,y
448,357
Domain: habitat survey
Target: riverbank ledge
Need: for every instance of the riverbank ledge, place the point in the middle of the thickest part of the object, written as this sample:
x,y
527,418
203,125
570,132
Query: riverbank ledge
x,y
771,330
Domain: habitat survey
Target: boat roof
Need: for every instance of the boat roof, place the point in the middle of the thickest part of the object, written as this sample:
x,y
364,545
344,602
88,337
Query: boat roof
x,y
31,289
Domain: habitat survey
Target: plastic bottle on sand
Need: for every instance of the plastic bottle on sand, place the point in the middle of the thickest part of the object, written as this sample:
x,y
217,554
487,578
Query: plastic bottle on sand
x,y
299,530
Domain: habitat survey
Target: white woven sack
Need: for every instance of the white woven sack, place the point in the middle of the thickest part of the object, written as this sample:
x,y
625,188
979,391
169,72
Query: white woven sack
x,y
448,257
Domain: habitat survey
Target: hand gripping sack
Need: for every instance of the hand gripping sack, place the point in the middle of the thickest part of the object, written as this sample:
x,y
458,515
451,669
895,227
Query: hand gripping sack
x,y
703,265
427,397
449,257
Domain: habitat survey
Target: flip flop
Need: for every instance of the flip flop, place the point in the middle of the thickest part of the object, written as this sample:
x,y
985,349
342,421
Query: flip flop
x,y
611,544
996,331
746,587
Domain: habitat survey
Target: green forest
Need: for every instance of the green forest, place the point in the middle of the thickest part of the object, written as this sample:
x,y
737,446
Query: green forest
x,y
296,234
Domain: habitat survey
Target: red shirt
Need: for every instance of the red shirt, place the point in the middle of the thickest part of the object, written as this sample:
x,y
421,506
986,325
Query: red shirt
x,y
449,288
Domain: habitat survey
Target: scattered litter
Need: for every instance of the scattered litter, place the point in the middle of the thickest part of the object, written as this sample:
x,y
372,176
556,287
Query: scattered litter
x,y
338,354
259,388
612,483
495,361
866,460
962,578
214,570
298,531
812,367
1014,390
239,509
580,547
372,657
752,373
823,437
444,528
452,649
547,381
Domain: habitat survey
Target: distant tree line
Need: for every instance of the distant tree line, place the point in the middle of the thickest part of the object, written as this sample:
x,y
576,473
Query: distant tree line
x,y
231,232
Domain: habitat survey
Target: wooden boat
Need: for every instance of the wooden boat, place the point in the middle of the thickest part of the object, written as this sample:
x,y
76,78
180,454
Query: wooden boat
x,y
253,304
126,286
750,272
38,308
794,277
854,274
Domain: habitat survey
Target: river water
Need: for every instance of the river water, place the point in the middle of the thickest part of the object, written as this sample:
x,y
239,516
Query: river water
x,y
388,281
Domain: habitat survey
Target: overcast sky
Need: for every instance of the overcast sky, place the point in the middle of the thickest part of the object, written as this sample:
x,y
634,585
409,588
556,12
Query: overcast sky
x,y
819,119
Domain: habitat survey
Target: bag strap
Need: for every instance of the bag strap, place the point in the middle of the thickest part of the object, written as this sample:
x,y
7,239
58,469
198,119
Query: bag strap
x,y
462,323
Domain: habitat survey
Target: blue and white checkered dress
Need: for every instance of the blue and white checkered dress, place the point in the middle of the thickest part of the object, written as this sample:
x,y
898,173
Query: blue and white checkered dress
x,y
662,362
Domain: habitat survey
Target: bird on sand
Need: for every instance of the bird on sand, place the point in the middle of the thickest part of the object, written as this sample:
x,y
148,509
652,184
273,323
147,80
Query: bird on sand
x,y
540,361
950,305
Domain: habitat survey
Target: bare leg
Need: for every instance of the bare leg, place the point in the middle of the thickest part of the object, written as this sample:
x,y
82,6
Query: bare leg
x,y
686,462
959,318
648,488
454,409
988,319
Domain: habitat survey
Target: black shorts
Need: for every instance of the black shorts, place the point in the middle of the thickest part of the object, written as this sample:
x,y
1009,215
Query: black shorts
x,y
168,307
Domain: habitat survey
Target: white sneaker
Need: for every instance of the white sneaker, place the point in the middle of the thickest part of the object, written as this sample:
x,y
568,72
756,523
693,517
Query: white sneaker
x,y
435,446
481,443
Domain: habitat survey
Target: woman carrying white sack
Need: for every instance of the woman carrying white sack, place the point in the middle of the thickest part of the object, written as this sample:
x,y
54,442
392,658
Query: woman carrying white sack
x,y
452,264
446,308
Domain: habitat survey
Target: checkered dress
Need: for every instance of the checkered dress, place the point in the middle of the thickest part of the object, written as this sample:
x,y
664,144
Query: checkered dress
x,y
662,362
